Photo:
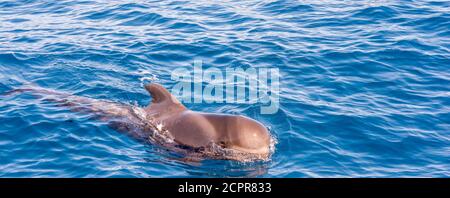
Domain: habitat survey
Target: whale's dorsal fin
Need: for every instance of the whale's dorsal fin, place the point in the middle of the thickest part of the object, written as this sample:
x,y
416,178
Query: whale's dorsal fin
x,y
160,94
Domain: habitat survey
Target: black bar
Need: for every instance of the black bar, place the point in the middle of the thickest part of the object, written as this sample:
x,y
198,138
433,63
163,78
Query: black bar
x,y
120,186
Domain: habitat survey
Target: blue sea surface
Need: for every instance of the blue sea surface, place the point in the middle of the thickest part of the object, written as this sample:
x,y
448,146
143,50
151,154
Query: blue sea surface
x,y
365,85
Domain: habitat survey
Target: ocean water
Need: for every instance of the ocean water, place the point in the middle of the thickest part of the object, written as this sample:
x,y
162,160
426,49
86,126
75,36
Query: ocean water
x,y
365,85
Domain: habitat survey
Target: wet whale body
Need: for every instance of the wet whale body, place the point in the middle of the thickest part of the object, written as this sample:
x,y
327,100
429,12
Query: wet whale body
x,y
167,122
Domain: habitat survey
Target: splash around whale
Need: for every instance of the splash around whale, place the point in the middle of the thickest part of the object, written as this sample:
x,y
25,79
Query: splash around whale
x,y
168,123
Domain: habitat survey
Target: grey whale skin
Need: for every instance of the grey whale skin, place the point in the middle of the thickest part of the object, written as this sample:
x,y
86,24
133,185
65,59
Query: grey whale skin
x,y
219,136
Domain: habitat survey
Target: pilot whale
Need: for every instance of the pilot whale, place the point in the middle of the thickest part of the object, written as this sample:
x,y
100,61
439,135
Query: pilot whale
x,y
168,122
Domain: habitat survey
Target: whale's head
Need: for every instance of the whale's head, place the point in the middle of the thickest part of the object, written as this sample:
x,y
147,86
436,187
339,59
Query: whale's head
x,y
249,136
